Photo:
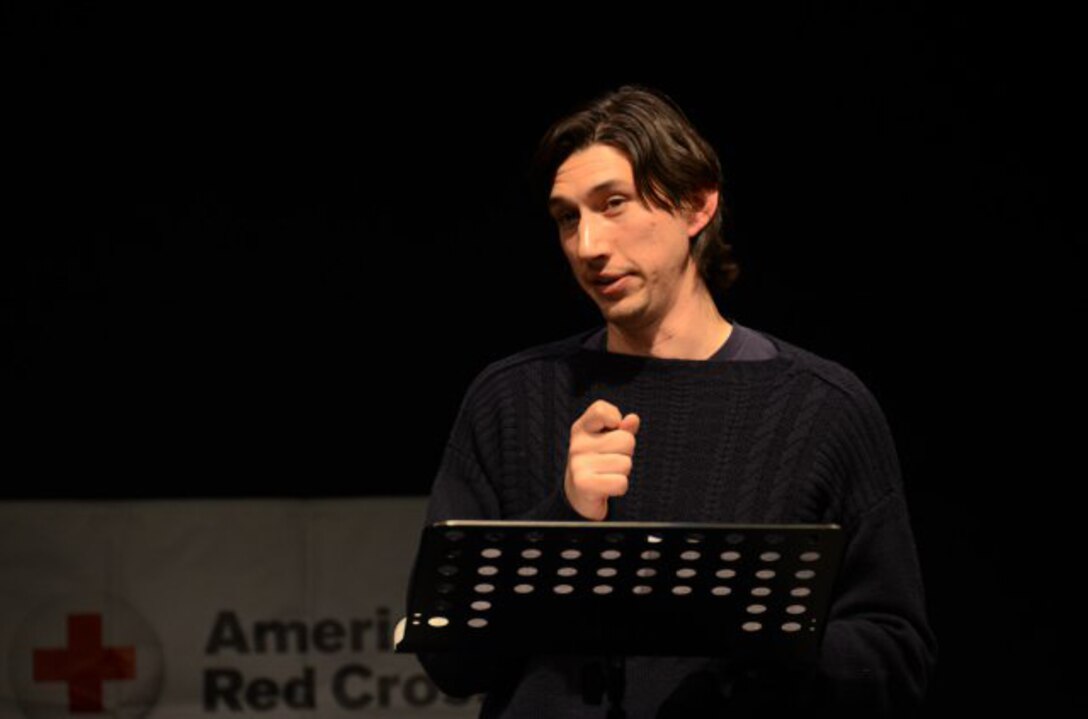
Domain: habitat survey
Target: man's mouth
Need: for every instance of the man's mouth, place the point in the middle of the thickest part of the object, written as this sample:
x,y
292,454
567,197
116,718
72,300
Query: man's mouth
x,y
609,284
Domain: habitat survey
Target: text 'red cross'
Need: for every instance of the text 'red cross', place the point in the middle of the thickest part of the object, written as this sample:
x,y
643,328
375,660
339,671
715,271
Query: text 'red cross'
x,y
85,664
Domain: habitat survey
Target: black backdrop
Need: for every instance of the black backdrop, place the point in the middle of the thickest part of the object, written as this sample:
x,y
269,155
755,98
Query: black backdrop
x,y
254,255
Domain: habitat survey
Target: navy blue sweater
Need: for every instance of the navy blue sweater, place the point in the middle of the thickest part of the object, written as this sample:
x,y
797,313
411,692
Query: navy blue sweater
x,y
790,438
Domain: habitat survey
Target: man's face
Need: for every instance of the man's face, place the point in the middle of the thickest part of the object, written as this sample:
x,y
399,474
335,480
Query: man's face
x,y
633,261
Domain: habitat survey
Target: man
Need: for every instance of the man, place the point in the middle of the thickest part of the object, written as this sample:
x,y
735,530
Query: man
x,y
671,412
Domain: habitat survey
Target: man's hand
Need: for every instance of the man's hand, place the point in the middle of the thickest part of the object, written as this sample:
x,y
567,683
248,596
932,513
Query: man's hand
x,y
602,445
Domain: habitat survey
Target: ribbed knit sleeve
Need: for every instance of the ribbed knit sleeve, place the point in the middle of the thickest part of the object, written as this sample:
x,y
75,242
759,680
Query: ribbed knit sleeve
x,y
464,488
878,652
471,479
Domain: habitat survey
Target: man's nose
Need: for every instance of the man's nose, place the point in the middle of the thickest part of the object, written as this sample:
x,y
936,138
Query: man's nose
x,y
591,237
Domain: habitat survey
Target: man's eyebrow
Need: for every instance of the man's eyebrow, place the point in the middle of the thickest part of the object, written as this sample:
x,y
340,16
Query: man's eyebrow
x,y
605,186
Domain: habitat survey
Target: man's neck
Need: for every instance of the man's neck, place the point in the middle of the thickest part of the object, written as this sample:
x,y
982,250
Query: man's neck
x,y
698,340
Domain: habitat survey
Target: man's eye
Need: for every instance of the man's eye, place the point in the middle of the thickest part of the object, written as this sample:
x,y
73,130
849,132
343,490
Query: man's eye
x,y
616,201
566,218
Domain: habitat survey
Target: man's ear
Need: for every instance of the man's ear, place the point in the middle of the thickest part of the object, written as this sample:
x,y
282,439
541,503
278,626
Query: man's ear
x,y
699,217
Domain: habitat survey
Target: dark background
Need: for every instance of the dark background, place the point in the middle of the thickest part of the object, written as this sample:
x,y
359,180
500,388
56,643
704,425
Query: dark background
x,y
257,255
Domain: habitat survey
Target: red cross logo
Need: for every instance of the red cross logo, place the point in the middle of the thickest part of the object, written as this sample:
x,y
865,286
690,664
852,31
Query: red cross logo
x,y
85,663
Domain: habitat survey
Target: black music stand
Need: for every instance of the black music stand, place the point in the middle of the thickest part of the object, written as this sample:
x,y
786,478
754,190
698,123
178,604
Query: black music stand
x,y
750,592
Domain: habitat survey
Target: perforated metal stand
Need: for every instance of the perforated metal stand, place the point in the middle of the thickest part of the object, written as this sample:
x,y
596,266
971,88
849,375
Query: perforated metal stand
x,y
615,679
614,589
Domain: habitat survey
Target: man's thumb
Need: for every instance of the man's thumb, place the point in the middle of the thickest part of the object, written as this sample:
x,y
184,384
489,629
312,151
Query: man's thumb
x,y
631,423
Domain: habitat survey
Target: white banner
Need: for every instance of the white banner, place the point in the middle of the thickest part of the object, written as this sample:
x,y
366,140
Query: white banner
x,y
185,609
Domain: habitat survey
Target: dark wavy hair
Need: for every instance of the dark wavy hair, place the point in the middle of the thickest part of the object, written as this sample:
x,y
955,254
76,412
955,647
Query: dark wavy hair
x,y
672,164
